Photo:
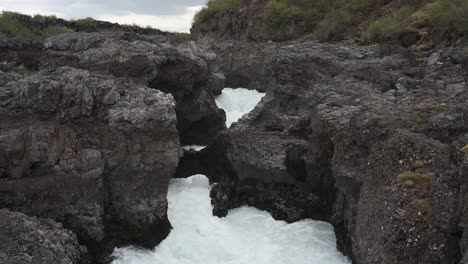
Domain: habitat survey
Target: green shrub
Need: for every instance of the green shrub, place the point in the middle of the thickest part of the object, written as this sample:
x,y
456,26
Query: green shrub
x,y
281,17
43,19
214,6
333,25
345,14
12,24
89,21
449,16
29,28
294,17
390,27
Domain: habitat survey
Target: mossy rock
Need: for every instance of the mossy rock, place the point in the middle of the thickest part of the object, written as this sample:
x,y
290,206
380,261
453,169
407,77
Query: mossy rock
x,y
421,180
424,209
416,122
436,108
418,164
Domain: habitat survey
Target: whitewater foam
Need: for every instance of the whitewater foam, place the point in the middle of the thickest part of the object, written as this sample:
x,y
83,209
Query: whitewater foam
x,y
245,236
237,102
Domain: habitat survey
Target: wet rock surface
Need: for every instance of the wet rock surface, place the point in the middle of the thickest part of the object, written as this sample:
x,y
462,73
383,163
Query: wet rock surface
x,y
368,138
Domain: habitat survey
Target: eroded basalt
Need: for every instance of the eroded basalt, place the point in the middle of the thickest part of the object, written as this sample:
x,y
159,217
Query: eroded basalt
x,y
93,153
338,128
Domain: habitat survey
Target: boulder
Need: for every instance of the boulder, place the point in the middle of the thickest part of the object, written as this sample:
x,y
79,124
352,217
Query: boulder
x,y
31,240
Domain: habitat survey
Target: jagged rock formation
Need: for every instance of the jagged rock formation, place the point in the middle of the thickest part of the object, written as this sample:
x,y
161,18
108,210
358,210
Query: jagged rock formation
x,y
92,138
70,141
151,61
368,138
29,240
372,139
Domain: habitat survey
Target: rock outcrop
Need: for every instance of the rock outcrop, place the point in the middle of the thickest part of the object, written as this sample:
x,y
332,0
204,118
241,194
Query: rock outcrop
x,y
152,61
29,240
91,131
93,153
368,138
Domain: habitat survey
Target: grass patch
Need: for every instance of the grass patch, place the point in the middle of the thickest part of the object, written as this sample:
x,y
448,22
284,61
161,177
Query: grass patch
x,y
286,18
15,25
212,7
89,21
390,27
416,179
436,108
465,149
180,37
344,15
333,25
449,17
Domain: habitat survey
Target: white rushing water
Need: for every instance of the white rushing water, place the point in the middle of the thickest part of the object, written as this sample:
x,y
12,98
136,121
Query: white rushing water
x,y
237,102
193,147
245,236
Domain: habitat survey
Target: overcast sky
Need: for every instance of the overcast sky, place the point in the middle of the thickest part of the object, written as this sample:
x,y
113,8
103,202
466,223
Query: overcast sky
x,y
172,15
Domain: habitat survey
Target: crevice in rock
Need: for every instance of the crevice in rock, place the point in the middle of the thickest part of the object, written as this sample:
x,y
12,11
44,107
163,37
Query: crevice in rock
x,y
198,118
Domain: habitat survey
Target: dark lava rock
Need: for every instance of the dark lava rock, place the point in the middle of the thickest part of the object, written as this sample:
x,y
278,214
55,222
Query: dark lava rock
x,y
367,138
181,71
30,240
93,153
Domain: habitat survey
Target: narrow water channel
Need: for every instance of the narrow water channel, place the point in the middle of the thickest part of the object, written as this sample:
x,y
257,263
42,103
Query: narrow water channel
x,y
247,235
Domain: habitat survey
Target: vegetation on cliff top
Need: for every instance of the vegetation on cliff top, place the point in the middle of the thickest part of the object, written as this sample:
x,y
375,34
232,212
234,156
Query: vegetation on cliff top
x,y
15,25
421,23
212,7
34,29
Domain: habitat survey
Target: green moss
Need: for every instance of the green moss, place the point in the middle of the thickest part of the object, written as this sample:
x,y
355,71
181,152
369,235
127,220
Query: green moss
x,y
424,208
436,108
464,149
419,180
417,121
212,7
418,164
407,176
